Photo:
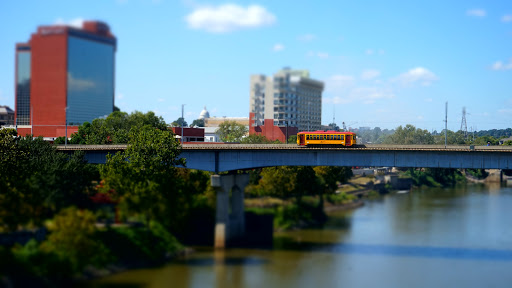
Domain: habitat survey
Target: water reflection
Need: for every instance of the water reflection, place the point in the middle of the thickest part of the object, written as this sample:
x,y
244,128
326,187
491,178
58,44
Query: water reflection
x,y
426,238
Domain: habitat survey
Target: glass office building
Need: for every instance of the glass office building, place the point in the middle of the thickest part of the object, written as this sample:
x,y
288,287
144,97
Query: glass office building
x,y
64,77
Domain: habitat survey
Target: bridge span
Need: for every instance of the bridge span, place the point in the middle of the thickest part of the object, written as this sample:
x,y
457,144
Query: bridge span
x,y
229,157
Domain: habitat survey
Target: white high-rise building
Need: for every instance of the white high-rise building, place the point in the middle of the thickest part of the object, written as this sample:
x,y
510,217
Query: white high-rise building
x,y
290,98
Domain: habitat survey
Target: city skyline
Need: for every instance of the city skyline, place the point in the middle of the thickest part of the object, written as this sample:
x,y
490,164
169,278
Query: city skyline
x,y
383,64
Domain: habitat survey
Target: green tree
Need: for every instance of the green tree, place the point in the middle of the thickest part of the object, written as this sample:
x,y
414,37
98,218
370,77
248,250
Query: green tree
x,y
180,122
36,181
255,139
409,135
197,123
484,140
73,237
231,131
115,128
144,176
292,139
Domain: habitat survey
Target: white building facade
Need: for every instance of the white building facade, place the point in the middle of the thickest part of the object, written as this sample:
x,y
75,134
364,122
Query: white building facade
x,y
290,98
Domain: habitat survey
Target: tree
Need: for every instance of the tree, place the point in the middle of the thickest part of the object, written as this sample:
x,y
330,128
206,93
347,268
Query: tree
x,y
180,122
409,135
231,131
334,127
144,176
36,181
115,128
255,139
197,123
484,140
292,139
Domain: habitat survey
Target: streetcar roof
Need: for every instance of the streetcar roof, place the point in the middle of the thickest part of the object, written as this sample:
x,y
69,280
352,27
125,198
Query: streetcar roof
x,y
327,132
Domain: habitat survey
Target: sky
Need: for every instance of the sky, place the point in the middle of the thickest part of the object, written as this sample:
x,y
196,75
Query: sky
x,y
384,63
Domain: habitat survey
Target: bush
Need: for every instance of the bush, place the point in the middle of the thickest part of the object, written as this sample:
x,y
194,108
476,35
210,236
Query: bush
x,y
74,237
139,245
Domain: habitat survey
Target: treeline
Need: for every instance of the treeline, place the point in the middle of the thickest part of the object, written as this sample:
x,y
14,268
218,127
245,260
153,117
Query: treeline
x,y
409,134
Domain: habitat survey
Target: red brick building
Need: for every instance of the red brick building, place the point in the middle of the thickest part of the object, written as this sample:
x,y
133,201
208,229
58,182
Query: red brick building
x,y
64,77
189,134
270,131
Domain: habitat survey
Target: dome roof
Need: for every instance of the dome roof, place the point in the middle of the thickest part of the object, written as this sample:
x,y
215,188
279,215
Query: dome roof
x,y
204,114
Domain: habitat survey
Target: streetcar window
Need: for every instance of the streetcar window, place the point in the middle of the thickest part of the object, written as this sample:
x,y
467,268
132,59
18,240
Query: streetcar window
x,y
342,137
307,137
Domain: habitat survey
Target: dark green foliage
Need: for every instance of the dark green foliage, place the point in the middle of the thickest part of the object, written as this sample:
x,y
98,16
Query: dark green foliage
x,y
292,139
134,246
256,139
478,173
197,123
36,181
73,236
116,128
180,122
306,213
484,140
435,177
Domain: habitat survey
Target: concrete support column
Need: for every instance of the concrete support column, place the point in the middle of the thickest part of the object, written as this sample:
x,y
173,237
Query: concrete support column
x,y
230,217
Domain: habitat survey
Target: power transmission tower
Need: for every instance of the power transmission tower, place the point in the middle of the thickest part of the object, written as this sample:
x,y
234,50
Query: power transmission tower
x,y
463,124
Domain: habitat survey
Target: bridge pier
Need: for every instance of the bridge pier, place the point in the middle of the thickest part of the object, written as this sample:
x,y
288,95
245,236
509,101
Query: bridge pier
x,y
230,217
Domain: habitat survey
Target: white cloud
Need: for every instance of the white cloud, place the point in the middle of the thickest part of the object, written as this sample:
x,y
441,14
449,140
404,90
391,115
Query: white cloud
x,y
370,74
476,13
278,47
323,55
77,22
506,18
498,65
416,75
160,100
119,96
429,99
306,37
369,52
229,17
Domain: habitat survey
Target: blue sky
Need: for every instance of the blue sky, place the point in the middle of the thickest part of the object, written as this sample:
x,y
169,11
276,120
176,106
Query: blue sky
x,y
384,63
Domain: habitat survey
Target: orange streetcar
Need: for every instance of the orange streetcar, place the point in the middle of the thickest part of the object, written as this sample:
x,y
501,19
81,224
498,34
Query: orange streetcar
x,y
326,139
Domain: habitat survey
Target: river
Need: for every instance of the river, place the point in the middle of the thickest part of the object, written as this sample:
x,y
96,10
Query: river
x,y
430,237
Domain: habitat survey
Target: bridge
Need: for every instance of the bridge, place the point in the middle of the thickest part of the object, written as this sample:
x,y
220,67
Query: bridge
x,y
229,157
230,217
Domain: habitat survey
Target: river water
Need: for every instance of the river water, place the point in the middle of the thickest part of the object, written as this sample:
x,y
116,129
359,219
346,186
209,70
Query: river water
x,y
457,237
